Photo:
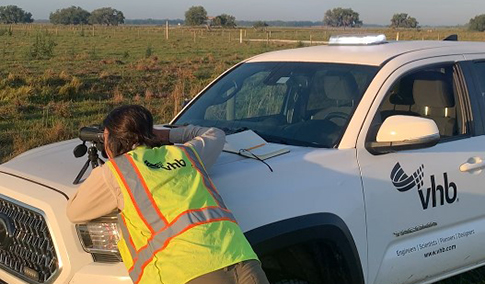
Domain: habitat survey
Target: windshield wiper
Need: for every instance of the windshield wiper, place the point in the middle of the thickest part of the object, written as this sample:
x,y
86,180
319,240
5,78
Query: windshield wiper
x,y
230,131
275,139
288,141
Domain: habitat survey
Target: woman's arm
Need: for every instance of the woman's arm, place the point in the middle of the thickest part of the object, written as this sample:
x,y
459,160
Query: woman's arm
x,y
208,142
93,199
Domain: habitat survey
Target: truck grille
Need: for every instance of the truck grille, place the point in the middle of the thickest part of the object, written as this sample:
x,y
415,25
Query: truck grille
x,y
26,247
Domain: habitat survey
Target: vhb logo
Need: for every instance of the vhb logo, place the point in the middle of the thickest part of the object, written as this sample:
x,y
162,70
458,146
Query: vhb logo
x,y
443,193
176,164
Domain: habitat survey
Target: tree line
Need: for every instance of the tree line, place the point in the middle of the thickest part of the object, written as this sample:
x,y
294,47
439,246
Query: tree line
x,y
197,16
68,16
340,17
12,15
78,16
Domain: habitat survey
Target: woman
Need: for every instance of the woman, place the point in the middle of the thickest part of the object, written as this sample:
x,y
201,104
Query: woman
x,y
175,226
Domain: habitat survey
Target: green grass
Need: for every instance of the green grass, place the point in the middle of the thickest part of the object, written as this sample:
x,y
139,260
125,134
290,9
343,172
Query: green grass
x,y
55,79
47,97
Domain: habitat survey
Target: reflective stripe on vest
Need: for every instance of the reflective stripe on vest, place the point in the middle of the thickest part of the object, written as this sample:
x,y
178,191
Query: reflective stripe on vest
x,y
126,234
194,158
139,194
162,231
183,223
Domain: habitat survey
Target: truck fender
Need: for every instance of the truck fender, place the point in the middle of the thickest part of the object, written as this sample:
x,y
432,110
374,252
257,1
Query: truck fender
x,y
326,227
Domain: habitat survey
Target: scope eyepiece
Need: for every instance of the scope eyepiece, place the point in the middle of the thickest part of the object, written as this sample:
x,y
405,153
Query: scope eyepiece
x,y
92,133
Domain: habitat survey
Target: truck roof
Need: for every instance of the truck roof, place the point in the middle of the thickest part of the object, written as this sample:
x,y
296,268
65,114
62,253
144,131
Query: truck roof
x,y
374,55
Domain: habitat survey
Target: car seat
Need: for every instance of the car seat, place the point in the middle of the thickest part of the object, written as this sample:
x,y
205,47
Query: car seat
x,y
297,90
434,99
342,92
400,101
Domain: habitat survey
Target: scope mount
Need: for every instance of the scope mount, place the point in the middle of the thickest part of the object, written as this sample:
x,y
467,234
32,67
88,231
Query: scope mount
x,y
93,158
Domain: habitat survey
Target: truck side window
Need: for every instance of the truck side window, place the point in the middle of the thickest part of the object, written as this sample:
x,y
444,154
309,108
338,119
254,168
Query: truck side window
x,y
429,93
480,72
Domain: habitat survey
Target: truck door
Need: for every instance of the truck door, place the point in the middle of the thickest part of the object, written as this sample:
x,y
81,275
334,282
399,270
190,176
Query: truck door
x,y
424,208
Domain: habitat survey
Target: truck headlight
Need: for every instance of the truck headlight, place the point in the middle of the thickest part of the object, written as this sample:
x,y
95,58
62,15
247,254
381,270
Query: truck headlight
x,y
100,237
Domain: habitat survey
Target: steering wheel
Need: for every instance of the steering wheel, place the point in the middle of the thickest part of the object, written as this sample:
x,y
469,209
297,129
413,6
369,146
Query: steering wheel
x,y
338,114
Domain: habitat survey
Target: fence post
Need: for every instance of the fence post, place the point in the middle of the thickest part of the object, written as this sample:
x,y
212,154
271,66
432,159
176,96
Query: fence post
x,y
166,30
94,33
240,36
311,39
397,36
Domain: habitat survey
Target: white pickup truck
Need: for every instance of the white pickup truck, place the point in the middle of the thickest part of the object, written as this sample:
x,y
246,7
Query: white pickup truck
x,y
383,183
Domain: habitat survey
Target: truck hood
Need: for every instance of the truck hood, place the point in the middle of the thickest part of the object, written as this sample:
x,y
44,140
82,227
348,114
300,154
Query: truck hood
x,y
301,182
55,166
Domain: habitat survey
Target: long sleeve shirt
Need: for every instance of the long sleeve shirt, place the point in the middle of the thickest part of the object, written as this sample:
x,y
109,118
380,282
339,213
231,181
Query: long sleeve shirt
x,y
100,193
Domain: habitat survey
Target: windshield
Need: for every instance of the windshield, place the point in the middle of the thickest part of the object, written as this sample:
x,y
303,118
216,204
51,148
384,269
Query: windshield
x,y
304,104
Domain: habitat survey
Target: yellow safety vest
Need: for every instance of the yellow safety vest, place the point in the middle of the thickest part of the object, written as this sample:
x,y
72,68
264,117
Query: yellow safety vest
x,y
174,224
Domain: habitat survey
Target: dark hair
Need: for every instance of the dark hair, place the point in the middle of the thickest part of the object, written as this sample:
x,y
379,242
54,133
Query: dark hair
x,y
129,125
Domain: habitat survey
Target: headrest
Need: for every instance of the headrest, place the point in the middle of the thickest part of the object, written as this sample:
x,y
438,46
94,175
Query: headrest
x,y
340,86
401,99
317,88
432,89
404,94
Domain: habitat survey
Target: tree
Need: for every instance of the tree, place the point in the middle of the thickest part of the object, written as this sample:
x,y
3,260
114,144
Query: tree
x,y
195,16
70,16
477,23
107,16
340,17
403,20
225,21
12,14
260,25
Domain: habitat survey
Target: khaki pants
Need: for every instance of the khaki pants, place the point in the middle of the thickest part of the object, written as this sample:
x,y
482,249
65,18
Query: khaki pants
x,y
246,272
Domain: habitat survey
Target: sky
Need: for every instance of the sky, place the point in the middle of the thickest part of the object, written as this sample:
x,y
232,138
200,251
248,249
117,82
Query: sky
x,y
427,12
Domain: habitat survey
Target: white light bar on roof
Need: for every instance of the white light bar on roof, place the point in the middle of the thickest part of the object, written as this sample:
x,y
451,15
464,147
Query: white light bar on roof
x,y
357,39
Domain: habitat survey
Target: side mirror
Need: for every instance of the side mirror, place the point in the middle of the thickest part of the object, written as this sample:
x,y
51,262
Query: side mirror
x,y
403,132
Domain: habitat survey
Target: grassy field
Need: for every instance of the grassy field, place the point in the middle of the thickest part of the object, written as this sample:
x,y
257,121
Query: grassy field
x,y
53,80
45,97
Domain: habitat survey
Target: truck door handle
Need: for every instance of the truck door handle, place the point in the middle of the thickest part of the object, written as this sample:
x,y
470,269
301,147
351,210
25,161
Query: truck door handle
x,y
473,165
